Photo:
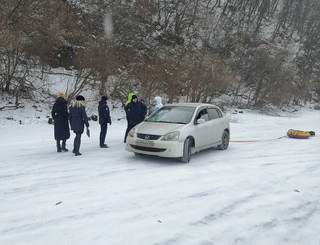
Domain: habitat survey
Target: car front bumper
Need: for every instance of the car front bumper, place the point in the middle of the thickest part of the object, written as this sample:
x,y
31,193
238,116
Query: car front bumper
x,y
155,147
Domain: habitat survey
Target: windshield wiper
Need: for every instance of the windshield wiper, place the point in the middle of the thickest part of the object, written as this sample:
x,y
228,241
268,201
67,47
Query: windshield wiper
x,y
157,121
165,122
179,122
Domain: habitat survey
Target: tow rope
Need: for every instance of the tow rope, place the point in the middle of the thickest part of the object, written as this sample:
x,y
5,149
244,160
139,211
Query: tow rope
x,y
297,134
251,141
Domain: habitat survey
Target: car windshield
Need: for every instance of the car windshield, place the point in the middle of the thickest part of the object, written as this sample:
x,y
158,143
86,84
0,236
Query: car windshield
x,y
172,114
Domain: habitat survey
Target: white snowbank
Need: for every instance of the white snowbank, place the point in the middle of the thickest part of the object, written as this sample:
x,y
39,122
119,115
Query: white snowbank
x,y
252,193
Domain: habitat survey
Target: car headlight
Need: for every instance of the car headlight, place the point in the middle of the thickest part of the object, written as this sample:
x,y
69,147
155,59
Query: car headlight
x,y
131,132
174,136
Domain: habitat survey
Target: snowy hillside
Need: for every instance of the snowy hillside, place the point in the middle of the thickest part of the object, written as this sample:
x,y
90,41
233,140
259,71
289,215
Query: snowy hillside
x,y
253,193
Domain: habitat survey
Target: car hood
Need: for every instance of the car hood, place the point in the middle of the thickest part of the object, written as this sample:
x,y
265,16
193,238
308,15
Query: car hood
x,y
157,128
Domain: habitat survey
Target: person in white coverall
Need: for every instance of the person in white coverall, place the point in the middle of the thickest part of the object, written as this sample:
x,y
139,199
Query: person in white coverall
x,y
158,103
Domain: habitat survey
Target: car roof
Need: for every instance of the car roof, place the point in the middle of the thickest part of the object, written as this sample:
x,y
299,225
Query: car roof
x,y
192,105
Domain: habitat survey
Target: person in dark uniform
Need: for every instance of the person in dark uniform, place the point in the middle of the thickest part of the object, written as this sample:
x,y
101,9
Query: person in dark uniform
x,y
60,115
136,112
104,119
78,118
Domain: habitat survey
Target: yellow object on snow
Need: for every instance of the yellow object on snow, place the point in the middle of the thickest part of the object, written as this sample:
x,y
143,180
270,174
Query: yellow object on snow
x,y
298,134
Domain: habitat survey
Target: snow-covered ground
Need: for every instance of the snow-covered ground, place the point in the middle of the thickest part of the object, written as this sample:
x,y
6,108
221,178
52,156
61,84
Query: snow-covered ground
x,y
253,193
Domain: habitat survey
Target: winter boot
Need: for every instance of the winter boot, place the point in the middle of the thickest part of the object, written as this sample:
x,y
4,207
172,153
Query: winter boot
x,y
64,146
77,142
58,146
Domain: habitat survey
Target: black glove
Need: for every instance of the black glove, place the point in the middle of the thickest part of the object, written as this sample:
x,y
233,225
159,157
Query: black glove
x,y
110,122
88,132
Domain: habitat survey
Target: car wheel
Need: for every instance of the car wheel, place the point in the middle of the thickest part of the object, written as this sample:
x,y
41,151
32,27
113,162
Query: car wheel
x,y
186,151
224,141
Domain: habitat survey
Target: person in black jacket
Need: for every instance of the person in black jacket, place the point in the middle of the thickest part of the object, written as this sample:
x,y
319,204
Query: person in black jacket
x,y
104,119
61,125
136,112
78,118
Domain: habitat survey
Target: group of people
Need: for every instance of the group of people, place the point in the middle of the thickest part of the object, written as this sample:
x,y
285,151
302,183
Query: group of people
x,y
77,117
135,109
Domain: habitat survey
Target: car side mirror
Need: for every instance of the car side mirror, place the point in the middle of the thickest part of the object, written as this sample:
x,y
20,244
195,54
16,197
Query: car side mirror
x,y
200,121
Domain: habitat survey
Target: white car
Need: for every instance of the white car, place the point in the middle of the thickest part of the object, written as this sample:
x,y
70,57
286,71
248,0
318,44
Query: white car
x,y
179,130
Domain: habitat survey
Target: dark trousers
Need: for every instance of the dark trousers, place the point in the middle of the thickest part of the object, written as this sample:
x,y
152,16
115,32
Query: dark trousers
x,y
76,143
103,133
59,145
130,126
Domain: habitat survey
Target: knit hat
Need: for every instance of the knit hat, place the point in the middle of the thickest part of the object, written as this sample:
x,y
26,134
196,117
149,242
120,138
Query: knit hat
x,y
62,95
104,97
80,97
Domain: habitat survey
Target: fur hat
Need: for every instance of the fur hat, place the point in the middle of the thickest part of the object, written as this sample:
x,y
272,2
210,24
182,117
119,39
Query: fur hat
x,y
62,95
80,97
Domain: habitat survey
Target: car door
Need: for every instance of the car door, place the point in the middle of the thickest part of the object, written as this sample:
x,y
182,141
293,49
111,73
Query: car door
x,y
202,130
215,124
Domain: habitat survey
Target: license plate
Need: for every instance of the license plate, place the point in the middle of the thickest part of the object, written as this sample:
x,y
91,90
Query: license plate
x,y
144,142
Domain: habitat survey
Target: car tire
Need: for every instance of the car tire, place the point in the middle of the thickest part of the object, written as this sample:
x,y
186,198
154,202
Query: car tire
x,y
186,151
224,141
